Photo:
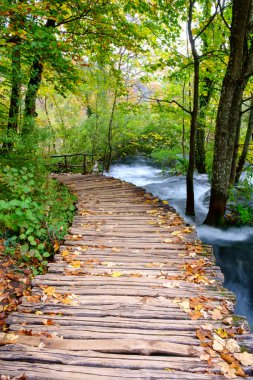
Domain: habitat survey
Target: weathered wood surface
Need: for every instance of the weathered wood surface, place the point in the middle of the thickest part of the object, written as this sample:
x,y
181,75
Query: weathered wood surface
x,y
125,297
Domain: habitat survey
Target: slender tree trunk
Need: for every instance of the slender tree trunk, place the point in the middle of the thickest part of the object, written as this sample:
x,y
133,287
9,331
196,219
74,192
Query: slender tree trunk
x,y
109,135
204,100
246,145
94,137
63,125
49,124
15,99
183,129
229,112
190,209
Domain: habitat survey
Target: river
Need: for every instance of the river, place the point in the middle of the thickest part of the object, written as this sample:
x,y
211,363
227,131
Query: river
x,y
233,246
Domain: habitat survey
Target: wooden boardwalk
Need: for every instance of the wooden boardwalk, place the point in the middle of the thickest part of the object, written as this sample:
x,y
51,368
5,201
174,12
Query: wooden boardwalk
x,y
130,295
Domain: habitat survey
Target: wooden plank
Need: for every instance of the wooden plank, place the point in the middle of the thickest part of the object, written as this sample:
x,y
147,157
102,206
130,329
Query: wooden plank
x,y
141,346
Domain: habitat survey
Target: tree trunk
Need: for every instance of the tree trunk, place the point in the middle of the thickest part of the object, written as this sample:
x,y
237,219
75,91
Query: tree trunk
x,y
15,99
204,100
32,90
183,126
246,145
190,209
229,112
235,153
31,96
109,136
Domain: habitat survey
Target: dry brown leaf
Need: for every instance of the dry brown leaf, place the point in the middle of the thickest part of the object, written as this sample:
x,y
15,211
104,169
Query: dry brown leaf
x,y
227,371
218,343
244,358
225,355
232,346
216,315
204,357
48,322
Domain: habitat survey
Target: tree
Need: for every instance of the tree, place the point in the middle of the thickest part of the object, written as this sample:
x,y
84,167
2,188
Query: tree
x,y
246,145
239,69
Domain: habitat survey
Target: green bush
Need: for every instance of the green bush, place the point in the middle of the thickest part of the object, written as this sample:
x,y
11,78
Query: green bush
x,y
34,213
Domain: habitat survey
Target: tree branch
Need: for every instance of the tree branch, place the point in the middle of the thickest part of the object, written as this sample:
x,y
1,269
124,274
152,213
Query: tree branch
x,y
207,24
222,15
166,101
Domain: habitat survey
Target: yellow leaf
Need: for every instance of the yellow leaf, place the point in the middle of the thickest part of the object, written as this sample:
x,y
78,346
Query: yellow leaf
x,y
165,202
56,246
168,240
11,337
49,291
222,333
75,264
176,233
65,253
116,274
115,249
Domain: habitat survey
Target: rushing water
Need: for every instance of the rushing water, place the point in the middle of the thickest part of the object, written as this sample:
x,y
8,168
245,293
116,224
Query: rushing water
x,y
233,247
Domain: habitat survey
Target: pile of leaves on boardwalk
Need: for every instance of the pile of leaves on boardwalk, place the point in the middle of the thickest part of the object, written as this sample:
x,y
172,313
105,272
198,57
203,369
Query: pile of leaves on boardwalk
x,y
35,212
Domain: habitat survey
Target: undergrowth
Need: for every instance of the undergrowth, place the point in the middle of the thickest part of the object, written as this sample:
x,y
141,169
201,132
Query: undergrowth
x,y
35,212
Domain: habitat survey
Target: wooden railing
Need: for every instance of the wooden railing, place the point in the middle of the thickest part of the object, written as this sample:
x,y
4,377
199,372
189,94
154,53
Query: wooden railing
x,y
66,165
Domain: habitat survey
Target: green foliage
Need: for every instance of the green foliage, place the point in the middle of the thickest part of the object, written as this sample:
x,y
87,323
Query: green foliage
x,y
240,201
34,213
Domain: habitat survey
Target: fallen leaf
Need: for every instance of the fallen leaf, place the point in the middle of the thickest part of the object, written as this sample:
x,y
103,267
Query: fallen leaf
x,y
49,291
116,274
48,322
232,346
56,246
222,333
216,314
168,240
75,264
204,357
108,264
218,343
244,358
11,337
227,371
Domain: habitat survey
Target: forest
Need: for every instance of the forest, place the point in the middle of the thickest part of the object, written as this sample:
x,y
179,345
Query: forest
x,y
168,79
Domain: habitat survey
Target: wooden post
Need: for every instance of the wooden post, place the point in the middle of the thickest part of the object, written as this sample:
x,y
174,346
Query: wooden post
x,y
84,164
65,164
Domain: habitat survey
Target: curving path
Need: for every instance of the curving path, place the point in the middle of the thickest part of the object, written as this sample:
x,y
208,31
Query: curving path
x,y
131,295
